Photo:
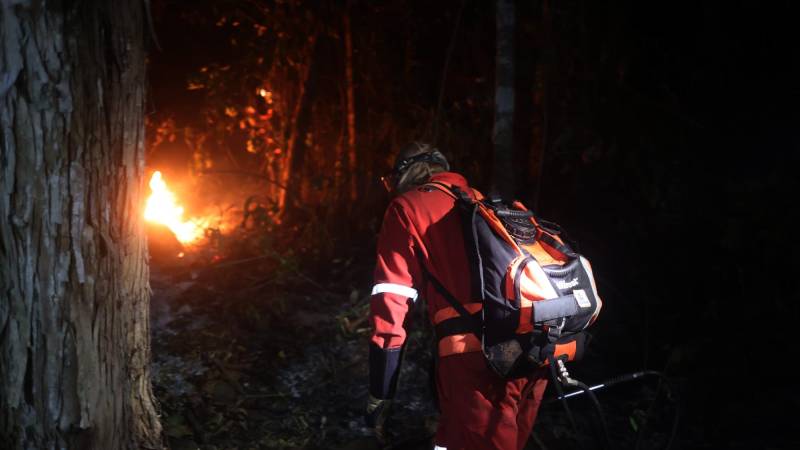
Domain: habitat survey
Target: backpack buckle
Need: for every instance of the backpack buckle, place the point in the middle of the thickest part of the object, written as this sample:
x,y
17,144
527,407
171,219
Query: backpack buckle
x,y
554,330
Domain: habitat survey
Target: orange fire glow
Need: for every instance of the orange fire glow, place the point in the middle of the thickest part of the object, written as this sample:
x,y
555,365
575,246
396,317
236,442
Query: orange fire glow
x,y
162,207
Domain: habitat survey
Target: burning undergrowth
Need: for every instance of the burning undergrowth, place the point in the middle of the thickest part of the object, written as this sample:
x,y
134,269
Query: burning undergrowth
x,y
228,217
213,210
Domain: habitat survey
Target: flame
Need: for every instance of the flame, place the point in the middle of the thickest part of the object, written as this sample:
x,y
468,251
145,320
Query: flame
x,y
162,207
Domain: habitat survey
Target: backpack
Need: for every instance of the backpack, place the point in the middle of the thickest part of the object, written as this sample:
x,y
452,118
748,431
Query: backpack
x,y
537,294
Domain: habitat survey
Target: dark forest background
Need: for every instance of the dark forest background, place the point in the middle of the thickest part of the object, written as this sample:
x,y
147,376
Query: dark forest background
x,y
661,135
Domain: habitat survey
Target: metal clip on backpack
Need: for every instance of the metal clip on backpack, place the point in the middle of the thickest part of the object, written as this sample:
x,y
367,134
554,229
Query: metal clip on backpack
x,y
538,295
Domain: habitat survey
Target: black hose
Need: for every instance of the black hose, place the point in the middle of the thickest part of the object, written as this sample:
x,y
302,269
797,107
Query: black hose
x,y
588,390
560,390
600,415
513,213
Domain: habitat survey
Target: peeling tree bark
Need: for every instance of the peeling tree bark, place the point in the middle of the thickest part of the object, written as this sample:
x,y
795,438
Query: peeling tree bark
x,y
74,293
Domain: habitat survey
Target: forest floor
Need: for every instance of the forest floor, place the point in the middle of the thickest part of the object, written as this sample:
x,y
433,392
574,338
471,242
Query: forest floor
x,y
247,360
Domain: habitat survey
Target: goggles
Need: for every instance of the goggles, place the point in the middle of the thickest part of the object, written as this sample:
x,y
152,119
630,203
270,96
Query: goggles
x,y
390,179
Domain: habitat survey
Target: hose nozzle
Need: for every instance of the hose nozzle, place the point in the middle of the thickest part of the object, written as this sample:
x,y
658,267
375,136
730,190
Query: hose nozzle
x,y
563,374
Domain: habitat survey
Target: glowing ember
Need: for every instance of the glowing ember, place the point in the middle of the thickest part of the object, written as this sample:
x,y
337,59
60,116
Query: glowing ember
x,y
163,208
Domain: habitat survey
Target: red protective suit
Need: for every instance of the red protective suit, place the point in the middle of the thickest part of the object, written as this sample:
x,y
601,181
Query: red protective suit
x,y
421,233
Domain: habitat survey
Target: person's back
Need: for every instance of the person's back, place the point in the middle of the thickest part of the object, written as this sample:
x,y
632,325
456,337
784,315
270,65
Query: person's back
x,y
421,243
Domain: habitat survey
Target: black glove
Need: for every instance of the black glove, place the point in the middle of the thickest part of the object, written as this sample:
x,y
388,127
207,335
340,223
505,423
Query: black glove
x,y
384,368
375,417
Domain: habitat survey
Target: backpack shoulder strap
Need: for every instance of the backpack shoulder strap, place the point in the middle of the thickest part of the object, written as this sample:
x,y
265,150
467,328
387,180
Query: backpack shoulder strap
x,y
466,322
455,192
451,299
561,247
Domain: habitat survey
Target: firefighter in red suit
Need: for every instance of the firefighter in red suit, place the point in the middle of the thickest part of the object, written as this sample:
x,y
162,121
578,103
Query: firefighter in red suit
x,y
421,234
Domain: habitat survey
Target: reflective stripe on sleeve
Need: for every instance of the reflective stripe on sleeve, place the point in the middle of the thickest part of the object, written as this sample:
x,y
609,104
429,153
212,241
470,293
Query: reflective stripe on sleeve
x,y
437,447
398,289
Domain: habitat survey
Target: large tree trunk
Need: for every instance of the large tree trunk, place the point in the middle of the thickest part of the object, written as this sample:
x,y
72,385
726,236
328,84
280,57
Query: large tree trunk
x,y
503,133
74,293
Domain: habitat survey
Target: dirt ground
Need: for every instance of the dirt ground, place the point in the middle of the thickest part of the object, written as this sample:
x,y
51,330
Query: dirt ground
x,y
247,359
